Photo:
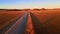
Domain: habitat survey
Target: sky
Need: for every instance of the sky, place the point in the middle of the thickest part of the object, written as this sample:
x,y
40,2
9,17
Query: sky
x,y
21,4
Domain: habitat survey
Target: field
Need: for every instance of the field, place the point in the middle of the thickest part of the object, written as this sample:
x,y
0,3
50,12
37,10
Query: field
x,y
38,21
7,17
48,21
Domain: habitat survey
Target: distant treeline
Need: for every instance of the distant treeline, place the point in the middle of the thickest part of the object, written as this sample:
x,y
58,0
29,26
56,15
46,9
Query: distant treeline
x,y
20,9
26,9
10,10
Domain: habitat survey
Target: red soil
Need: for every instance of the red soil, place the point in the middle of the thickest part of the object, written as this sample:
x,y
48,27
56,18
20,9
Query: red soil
x,y
50,19
29,28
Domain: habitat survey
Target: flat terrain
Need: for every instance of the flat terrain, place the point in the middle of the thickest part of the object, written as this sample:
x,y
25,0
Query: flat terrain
x,y
46,22
38,21
7,17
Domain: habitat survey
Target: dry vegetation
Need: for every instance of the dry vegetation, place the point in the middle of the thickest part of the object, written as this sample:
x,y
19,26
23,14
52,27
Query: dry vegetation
x,y
50,19
7,17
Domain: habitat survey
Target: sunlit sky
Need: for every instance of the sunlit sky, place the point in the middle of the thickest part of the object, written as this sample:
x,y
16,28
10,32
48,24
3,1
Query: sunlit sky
x,y
20,4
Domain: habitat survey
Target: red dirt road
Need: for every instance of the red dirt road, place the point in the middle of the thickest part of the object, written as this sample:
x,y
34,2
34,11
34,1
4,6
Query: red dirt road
x,y
29,28
38,22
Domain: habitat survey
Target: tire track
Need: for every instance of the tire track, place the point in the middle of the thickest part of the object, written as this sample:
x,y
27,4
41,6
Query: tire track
x,y
2,31
19,27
